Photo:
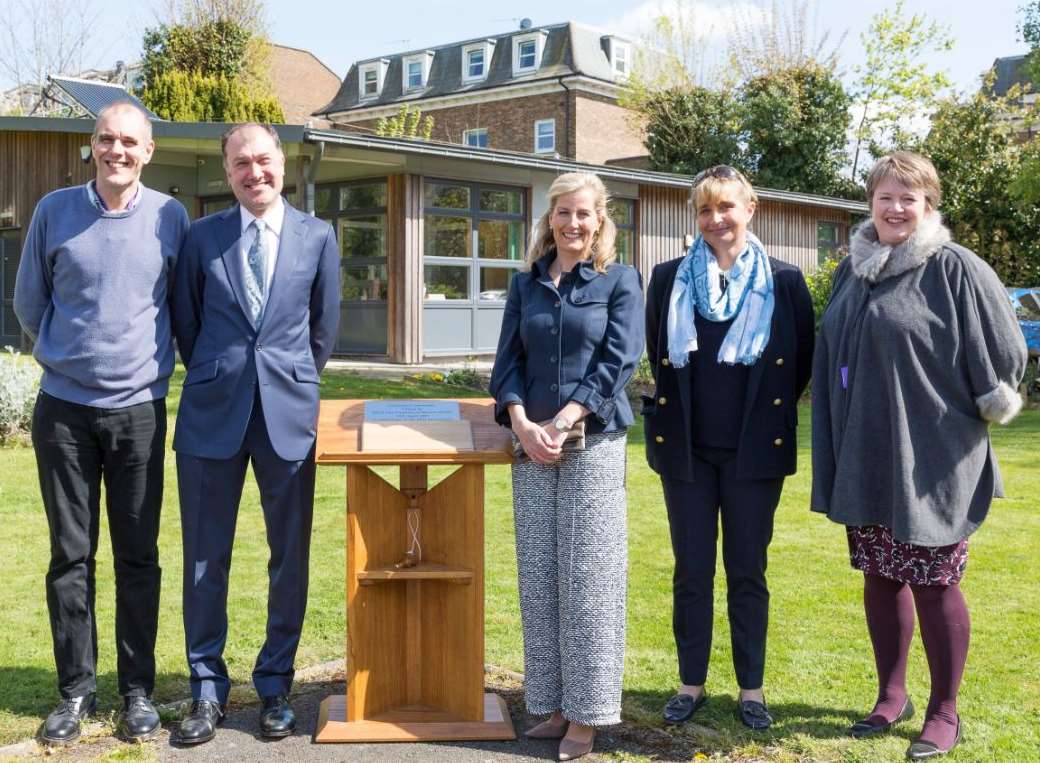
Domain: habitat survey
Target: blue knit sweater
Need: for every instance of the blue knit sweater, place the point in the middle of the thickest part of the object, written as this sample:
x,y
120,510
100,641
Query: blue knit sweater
x,y
92,292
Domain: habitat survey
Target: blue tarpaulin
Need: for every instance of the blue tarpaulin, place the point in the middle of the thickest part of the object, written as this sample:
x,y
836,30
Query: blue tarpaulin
x,y
1026,301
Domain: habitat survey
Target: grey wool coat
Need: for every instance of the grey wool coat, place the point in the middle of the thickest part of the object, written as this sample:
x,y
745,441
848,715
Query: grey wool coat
x,y
919,350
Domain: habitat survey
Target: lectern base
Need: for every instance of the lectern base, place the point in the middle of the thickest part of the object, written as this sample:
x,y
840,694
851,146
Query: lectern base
x,y
412,724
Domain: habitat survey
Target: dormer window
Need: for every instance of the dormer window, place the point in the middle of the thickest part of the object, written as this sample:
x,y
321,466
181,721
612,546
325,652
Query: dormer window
x,y
370,78
476,60
621,58
527,52
415,71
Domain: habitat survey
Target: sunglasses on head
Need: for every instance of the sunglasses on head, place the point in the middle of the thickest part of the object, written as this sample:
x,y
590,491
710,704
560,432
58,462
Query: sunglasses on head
x,y
719,171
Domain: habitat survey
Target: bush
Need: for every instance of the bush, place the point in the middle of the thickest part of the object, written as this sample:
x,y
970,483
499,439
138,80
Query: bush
x,y
465,377
19,384
820,282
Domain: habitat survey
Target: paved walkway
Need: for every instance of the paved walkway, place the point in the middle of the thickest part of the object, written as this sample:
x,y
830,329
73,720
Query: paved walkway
x,y
238,739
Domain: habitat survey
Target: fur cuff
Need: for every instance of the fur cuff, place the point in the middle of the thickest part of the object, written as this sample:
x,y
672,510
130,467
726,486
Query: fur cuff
x,y
1001,405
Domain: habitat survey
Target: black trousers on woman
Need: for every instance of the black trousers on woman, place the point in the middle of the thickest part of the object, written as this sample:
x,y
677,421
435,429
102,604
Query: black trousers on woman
x,y
747,508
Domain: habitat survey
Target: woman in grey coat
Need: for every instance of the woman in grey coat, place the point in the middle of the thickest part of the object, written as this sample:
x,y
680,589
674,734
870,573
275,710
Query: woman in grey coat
x,y
918,352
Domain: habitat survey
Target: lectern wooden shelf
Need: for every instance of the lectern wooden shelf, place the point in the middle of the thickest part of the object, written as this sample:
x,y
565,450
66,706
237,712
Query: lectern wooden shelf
x,y
415,635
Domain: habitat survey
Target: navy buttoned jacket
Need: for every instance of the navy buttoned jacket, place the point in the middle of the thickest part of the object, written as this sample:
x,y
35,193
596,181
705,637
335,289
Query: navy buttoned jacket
x,y
582,346
766,447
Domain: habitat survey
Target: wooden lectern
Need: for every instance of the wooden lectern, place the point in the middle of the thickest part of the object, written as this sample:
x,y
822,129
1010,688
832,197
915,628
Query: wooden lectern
x,y
415,635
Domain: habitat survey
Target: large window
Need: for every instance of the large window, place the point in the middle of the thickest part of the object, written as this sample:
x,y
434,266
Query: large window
x,y
10,254
475,64
623,213
357,211
473,242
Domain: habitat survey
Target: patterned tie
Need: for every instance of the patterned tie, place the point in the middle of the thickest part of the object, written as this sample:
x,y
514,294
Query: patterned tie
x,y
257,272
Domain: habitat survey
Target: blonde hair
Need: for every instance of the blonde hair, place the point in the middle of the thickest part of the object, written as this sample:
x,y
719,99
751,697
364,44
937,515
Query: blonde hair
x,y
912,170
711,184
602,252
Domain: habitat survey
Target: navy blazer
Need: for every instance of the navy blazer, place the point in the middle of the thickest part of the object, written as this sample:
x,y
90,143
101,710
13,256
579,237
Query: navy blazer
x,y
227,356
766,449
582,348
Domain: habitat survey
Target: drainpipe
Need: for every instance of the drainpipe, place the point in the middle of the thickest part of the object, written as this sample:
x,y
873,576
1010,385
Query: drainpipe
x,y
567,116
308,176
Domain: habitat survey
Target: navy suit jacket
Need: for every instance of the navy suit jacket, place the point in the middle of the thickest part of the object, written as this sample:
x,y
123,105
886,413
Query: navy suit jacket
x,y
228,357
766,449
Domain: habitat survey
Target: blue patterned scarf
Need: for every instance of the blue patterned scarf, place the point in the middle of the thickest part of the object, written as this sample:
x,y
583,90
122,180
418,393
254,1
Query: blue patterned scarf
x,y
748,300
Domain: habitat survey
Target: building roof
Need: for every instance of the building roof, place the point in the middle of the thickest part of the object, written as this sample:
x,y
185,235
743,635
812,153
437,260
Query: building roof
x,y
210,132
301,82
93,96
1010,71
569,49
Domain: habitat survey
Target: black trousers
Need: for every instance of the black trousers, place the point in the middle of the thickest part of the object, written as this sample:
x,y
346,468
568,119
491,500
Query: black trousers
x,y
78,446
747,508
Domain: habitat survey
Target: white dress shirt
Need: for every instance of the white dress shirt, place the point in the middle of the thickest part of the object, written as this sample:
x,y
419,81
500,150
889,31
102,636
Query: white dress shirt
x,y
272,219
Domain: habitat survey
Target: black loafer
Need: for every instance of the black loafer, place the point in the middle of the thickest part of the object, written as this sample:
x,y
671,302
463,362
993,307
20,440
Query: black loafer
x,y
277,718
139,720
681,707
754,715
922,750
201,723
62,725
865,728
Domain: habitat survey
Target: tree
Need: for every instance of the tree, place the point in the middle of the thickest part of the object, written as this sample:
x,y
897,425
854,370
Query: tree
x,y
206,70
688,129
795,121
781,40
43,37
407,123
894,85
973,145
1029,29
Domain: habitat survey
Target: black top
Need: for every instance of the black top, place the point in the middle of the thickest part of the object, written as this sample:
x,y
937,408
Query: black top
x,y
719,389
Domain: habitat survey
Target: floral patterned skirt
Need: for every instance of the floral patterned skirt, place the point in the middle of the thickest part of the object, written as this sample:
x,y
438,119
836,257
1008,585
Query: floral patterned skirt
x,y
874,551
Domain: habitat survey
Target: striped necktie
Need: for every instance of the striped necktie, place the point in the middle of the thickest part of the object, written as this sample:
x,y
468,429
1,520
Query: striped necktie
x,y
256,274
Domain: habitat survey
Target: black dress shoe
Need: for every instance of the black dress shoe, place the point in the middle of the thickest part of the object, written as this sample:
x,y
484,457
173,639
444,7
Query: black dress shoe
x,y
139,721
201,723
754,714
922,750
62,725
866,728
681,707
277,718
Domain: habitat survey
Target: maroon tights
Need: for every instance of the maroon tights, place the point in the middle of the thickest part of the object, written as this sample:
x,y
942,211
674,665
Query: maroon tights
x,y
945,631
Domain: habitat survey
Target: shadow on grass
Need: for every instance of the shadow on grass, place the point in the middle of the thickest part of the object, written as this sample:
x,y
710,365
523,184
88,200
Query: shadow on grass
x,y
32,692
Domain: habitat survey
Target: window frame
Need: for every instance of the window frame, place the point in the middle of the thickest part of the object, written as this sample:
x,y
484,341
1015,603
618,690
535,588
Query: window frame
x,y
538,38
617,46
538,123
629,227
487,49
424,60
477,132
379,67
473,262
826,248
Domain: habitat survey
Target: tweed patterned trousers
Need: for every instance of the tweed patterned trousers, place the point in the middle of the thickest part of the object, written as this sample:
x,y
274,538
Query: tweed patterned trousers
x,y
572,558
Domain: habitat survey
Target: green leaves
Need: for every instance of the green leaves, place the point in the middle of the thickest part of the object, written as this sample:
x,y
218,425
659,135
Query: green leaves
x,y
407,123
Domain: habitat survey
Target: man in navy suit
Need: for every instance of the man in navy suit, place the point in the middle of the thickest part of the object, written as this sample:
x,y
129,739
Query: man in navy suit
x,y
255,313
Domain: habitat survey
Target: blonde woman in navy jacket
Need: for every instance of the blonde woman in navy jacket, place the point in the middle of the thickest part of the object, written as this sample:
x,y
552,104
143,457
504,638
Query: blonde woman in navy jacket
x,y
571,338
730,343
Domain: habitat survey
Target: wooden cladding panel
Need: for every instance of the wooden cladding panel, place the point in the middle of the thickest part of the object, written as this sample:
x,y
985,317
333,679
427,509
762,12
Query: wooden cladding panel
x,y
404,250
32,164
787,230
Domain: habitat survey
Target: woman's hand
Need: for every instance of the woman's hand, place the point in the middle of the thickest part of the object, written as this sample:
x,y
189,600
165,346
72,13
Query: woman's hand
x,y
536,440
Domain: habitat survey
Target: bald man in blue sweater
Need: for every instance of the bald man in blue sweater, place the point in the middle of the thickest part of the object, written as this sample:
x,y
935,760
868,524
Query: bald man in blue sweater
x,y
91,291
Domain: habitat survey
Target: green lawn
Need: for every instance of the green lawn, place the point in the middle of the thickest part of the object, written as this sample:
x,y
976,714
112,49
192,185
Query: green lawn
x,y
819,674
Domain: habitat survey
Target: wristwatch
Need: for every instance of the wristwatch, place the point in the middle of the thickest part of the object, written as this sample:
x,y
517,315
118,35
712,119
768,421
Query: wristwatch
x,y
561,424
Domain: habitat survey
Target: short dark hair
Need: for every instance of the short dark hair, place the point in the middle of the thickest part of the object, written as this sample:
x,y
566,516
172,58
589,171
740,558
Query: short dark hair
x,y
121,104
235,128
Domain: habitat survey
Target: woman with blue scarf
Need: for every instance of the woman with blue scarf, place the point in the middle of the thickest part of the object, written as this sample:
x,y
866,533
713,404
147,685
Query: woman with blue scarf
x,y
730,342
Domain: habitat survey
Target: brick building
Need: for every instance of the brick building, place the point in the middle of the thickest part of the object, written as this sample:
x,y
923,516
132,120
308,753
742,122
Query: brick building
x,y
549,90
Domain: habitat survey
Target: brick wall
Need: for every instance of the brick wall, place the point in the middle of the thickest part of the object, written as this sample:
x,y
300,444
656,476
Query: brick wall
x,y
604,130
596,126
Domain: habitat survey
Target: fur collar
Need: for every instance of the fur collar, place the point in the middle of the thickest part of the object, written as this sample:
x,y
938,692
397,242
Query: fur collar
x,y
874,262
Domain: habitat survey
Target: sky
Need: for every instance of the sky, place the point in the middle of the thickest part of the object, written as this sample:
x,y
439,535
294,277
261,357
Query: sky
x,y
340,33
